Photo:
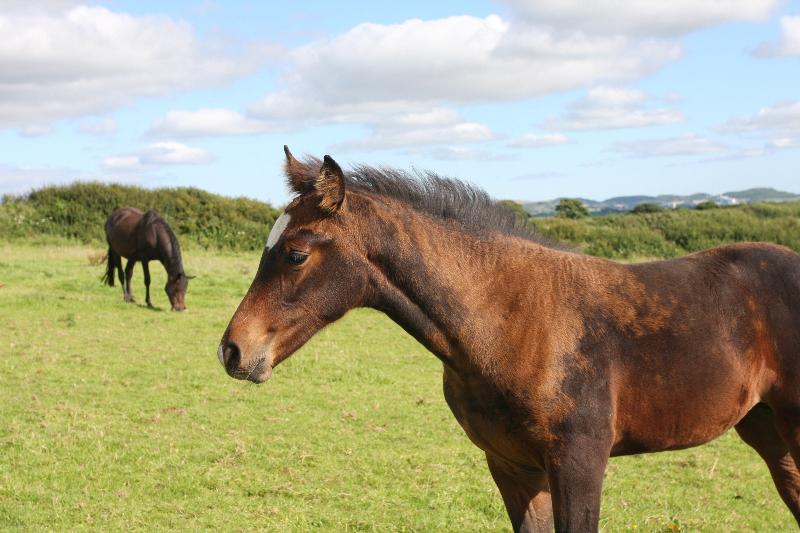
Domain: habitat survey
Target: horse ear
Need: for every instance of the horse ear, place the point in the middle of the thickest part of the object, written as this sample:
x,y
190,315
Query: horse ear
x,y
300,179
330,185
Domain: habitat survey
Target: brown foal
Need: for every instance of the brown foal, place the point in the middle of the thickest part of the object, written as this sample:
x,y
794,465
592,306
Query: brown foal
x,y
553,361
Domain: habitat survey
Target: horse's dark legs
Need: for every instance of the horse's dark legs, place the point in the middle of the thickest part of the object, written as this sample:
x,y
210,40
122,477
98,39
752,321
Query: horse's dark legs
x,y
575,473
128,276
758,429
526,495
118,264
146,269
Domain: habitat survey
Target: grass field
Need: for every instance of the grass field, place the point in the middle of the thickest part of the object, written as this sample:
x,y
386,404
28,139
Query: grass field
x,y
117,417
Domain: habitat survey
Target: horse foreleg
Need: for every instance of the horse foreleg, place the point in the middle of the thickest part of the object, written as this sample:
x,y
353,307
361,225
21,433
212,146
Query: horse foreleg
x,y
525,494
146,269
128,275
575,473
758,430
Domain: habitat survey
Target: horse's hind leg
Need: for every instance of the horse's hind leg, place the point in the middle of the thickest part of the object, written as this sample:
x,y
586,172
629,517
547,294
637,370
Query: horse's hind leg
x,y
146,269
120,275
525,494
759,429
128,276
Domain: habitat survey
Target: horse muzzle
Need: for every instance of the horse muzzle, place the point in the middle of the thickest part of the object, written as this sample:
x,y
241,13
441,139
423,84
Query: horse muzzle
x,y
230,357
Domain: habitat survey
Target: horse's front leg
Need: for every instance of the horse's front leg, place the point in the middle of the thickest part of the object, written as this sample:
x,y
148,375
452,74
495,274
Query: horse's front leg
x,y
575,472
128,275
526,495
146,269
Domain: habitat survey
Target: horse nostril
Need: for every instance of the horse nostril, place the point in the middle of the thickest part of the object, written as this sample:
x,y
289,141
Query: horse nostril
x,y
231,356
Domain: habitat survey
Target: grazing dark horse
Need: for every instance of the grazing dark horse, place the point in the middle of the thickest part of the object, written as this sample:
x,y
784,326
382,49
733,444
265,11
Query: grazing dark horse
x,y
553,361
144,237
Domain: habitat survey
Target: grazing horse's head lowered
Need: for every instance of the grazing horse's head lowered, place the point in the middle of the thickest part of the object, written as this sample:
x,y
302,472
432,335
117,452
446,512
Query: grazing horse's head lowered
x,y
307,278
176,291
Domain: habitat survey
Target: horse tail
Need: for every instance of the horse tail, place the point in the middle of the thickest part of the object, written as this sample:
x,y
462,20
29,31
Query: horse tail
x,y
111,263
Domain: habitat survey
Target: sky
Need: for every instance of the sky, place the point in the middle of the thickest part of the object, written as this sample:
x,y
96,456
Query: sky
x,y
530,100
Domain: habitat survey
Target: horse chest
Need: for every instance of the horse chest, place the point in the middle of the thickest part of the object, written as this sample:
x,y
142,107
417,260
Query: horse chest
x,y
493,422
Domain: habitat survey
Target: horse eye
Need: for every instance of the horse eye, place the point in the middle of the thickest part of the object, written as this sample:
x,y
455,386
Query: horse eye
x,y
296,258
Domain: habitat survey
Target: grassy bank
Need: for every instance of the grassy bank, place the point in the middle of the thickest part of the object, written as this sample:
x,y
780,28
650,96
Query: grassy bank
x,y
115,417
675,232
76,213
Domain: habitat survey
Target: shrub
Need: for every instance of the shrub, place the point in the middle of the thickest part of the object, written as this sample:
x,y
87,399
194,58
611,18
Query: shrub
x,y
647,207
706,205
79,212
571,208
673,232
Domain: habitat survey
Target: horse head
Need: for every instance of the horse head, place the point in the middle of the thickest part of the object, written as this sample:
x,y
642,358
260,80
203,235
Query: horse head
x,y
311,273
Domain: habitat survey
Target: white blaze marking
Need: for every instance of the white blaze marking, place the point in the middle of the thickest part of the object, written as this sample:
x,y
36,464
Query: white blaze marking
x,y
220,356
277,230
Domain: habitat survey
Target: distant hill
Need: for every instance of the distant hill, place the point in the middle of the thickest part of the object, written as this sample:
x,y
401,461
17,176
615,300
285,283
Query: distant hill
x,y
622,204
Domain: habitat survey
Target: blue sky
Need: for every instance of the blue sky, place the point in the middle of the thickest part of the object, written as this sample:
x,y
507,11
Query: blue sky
x,y
529,100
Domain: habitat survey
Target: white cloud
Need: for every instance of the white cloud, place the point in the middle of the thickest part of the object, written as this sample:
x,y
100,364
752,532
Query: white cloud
x,y
207,122
75,61
377,69
613,108
775,128
35,130
37,6
463,132
101,127
437,126
157,154
18,180
783,143
686,145
21,180
403,81
789,44
460,153
639,17
537,140
780,119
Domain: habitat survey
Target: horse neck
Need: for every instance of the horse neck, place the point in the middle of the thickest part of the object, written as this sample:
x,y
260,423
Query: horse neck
x,y
454,291
169,253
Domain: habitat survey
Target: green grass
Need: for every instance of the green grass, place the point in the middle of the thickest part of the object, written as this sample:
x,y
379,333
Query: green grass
x,y
116,417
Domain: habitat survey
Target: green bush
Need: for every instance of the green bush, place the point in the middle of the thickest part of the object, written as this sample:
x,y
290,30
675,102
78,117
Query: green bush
x,y
79,212
647,207
673,232
571,208
706,205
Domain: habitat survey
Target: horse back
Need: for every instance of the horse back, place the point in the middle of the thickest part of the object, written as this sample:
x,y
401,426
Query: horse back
x,y
131,232
703,338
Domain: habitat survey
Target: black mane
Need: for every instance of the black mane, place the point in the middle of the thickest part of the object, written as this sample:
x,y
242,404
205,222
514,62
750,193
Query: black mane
x,y
151,217
440,197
